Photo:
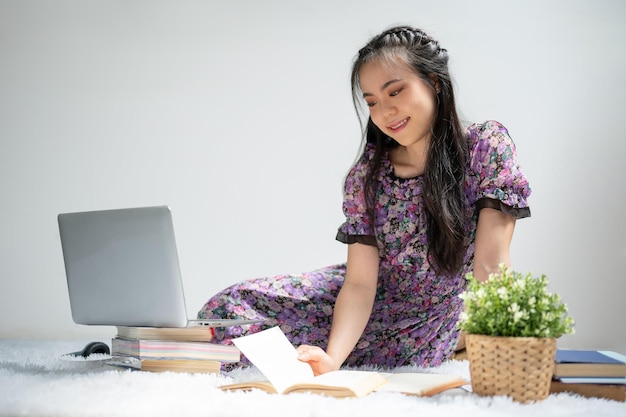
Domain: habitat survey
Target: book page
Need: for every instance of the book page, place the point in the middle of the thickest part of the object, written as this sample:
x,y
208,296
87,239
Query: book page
x,y
357,383
421,384
271,352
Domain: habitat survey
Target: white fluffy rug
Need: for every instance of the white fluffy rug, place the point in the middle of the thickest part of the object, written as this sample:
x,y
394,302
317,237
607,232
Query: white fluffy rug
x,y
36,380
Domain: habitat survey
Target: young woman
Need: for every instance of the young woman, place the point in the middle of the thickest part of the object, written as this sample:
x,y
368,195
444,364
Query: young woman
x,y
426,203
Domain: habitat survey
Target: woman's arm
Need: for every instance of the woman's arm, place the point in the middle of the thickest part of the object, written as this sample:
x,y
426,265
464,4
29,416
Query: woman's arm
x,y
352,310
493,240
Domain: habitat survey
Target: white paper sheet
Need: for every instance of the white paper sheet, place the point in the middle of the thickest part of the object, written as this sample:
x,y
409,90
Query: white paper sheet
x,y
271,352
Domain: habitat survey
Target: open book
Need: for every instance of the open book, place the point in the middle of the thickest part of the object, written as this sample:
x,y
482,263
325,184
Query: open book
x,y
277,359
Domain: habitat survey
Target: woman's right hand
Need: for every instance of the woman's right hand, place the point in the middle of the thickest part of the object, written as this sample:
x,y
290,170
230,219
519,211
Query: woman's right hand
x,y
320,361
351,311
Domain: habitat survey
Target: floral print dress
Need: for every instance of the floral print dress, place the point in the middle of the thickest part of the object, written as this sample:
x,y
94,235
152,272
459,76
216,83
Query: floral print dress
x,y
415,310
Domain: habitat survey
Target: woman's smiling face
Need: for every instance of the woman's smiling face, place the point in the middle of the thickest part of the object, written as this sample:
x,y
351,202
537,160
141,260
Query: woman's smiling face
x,y
401,104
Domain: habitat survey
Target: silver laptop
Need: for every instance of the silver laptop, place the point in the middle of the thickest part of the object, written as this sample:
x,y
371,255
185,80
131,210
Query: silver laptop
x,y
122,269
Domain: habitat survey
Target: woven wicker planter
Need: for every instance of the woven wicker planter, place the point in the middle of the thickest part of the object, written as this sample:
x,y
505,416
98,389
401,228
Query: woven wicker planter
x,y
519,367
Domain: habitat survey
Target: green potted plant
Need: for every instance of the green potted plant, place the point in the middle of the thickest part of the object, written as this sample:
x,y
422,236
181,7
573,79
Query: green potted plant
x,y
511,322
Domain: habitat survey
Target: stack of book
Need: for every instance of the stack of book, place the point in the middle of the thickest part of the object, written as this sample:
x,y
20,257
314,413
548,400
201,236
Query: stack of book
x,y
590,373
186,349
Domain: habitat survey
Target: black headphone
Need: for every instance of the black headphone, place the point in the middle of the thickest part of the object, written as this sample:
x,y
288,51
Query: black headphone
x,y
91,348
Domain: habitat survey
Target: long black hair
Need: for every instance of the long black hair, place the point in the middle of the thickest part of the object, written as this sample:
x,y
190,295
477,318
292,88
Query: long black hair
x,y
445,164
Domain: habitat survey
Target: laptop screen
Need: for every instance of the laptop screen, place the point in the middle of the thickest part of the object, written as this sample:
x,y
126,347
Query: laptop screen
x,y
122,267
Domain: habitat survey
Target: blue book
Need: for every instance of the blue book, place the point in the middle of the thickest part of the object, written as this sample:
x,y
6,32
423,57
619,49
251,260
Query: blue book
x,y
589,363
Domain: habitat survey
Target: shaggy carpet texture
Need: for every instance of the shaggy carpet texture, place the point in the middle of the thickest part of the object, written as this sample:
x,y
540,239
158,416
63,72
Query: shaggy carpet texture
x,y
36,379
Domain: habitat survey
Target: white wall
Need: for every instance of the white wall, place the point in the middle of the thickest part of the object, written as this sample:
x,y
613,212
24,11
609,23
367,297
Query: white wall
x,y
238,115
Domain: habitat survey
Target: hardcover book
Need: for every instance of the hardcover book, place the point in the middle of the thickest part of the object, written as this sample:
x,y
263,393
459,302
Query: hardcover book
x,y
609,391
589,363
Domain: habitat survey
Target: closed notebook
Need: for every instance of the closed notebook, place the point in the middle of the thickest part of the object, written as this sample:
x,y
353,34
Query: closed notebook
x,y
190,334
171,349
589,363
181,365
166,365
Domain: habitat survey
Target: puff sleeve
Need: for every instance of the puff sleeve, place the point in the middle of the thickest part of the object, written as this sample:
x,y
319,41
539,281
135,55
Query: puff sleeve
x,y
357,226
495,178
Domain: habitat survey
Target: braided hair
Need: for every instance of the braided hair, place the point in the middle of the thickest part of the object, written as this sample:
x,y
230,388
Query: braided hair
x,y
445,163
